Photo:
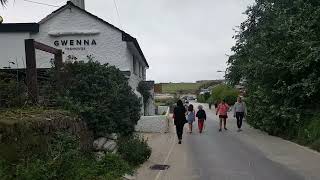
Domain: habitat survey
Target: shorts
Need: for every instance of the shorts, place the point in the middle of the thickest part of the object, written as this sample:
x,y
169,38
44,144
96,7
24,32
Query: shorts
x,y
190,122
223,116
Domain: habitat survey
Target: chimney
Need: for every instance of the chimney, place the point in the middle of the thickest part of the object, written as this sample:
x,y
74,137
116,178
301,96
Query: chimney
x,y
79,3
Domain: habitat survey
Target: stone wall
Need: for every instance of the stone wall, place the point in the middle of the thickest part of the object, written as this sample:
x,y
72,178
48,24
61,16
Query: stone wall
x,y
154,124
162,110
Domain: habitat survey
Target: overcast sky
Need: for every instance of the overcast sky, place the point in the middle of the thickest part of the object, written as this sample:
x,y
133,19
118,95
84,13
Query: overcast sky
x,y
183,40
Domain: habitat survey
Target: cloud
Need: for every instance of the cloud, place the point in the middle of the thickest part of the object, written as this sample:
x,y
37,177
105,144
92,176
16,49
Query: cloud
x,y
183,40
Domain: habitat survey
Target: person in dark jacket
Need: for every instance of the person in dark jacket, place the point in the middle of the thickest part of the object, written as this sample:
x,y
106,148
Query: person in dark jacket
x,y
201,115
179,115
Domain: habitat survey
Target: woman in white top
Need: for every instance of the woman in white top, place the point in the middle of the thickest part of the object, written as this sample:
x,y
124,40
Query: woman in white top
x,y
240,111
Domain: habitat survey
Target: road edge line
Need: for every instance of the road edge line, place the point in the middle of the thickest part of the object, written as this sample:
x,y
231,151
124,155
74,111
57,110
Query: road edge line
x,y
167,158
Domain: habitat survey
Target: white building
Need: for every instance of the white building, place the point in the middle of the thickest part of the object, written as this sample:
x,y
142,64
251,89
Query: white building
x,y
79,34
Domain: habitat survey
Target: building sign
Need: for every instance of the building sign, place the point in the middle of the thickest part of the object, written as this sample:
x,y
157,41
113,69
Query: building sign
x,y
78,44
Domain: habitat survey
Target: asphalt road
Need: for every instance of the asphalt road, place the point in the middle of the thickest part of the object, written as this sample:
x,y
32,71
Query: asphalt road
x,y
217,155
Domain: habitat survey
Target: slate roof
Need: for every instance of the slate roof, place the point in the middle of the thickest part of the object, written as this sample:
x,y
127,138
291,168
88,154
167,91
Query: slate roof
x,y
19,27
125,36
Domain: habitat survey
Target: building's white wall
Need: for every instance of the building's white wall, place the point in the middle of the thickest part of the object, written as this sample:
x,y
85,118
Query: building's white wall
x,y
134,81
109,49
162,109
12,49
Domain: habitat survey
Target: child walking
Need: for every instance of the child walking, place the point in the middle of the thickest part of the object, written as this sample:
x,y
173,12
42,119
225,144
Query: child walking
x,y
222,110
191,117
201,115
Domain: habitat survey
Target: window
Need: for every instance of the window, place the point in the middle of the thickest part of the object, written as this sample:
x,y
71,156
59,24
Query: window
x,y
134,65
140,70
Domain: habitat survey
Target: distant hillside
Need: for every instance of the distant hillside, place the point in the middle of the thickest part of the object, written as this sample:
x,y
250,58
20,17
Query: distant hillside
x,y
185,88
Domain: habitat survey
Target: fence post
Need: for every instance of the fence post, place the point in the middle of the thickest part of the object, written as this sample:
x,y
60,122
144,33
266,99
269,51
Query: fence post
x,y
31,75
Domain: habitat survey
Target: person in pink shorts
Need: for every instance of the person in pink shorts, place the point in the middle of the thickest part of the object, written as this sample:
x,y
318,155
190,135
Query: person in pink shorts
x,y
222,110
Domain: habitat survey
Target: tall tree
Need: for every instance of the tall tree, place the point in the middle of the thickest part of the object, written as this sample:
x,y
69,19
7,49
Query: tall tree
x,y
277,53
3,2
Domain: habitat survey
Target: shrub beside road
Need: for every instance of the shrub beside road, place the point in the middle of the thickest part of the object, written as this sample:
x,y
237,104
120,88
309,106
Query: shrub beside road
x,y
219,93
55,142
277,56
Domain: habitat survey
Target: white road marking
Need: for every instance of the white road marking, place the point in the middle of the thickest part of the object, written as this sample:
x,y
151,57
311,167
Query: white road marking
x,y
167,158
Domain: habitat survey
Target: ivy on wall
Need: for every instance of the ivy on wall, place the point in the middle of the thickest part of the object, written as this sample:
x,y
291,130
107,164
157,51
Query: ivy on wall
x,y
144,89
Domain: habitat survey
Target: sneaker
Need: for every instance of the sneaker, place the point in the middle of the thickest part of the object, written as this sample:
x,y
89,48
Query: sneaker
x,y
179,142
225,129
220,130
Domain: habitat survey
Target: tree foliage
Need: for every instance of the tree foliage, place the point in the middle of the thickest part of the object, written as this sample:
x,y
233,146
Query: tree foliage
x,y
224,92
277,54
100,94
203,98
144,89
134,150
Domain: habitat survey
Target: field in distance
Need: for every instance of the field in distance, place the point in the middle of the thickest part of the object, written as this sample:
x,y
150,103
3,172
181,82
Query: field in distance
x,y
186,88
172,88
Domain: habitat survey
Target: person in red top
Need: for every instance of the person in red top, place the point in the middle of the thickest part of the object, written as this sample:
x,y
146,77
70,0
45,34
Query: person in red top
x,y
222,110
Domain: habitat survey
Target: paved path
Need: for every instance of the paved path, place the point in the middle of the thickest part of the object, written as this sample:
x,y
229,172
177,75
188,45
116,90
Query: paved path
x,y
228,155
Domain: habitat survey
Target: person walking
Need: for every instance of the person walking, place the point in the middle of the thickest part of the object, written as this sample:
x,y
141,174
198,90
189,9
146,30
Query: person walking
x,y
191,117
179,115
240,111
222,110
201,115
186,104
215,105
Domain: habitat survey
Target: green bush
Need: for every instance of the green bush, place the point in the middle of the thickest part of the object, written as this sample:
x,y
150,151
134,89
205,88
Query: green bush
x,y
5,170
64,160
225,92
277,59
200,98
316,145
12,93
203,98
110,167
113,165
100,94
58,163
26,131
134,149
309,133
